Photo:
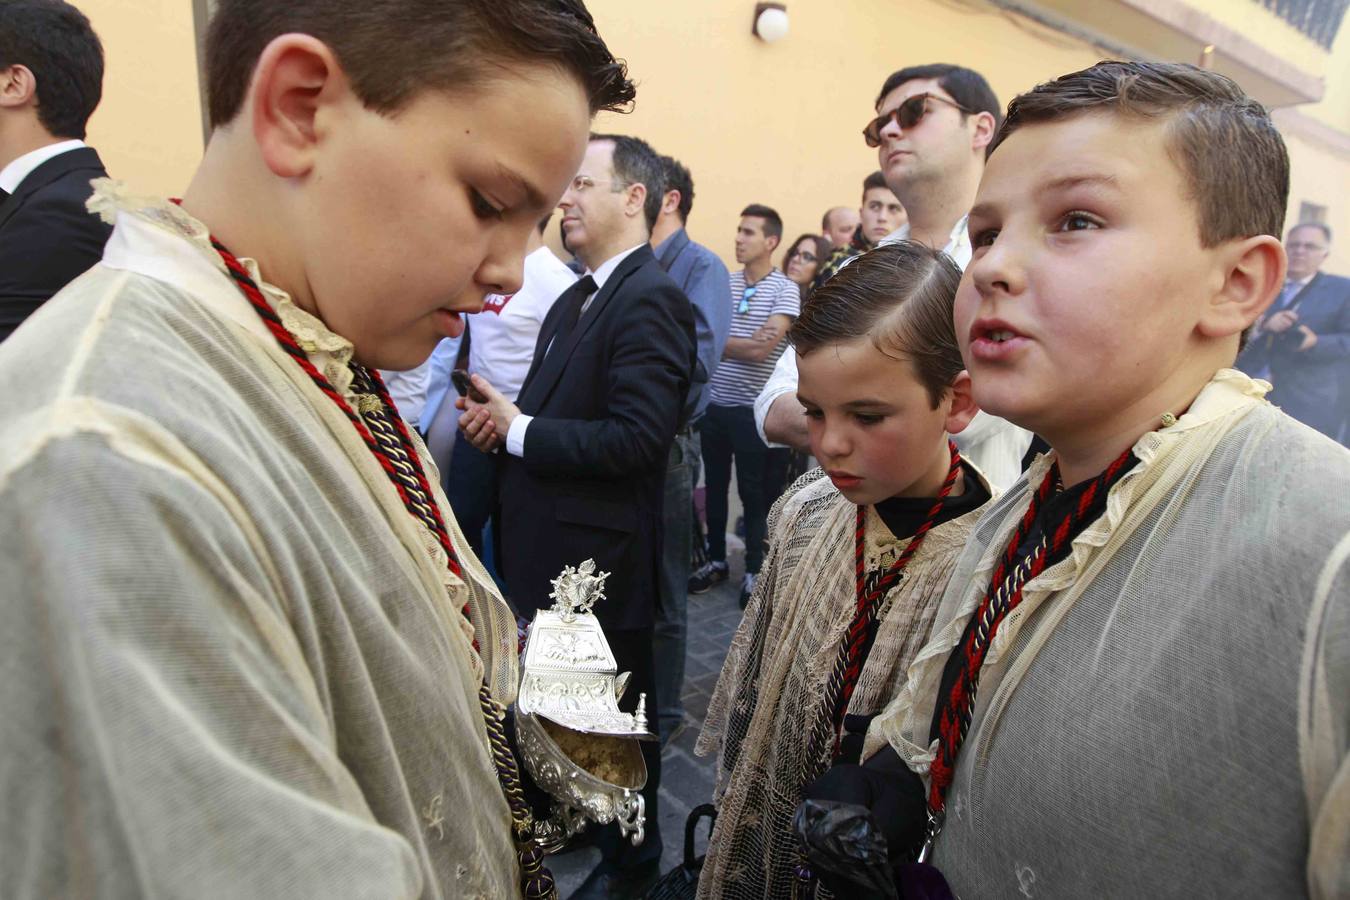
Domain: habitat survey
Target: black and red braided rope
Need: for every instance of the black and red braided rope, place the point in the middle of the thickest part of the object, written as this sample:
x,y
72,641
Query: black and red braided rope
x,y
849,666
408,477
424,508
1010,575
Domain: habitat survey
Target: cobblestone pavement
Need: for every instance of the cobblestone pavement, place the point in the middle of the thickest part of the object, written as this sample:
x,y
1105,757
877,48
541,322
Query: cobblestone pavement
x,y
686,779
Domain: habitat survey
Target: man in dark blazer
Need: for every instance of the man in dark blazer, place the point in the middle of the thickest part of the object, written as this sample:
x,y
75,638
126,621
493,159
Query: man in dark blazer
x,y
1302,343
583,455
51,79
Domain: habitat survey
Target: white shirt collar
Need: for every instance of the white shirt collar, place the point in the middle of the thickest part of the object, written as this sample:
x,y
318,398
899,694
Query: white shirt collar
x,y
12,175
958,242
601,275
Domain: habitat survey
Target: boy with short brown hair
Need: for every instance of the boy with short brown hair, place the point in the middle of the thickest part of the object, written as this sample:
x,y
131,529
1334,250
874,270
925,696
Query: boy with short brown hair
x,y
1139,679
247,651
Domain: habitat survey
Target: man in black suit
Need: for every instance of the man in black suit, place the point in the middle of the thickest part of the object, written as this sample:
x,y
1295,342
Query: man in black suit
x,y
1303,342
584,454
51,79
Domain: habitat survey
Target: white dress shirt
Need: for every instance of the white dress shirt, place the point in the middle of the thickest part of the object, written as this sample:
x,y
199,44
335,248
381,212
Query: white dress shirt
x,y
515,435
12,175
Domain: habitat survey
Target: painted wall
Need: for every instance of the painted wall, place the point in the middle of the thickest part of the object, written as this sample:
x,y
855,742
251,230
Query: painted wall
x,y
781,124
756,123
148,128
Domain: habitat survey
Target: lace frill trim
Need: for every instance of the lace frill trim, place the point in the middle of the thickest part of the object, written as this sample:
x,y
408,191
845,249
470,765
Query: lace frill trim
x,y
1229,393
329,352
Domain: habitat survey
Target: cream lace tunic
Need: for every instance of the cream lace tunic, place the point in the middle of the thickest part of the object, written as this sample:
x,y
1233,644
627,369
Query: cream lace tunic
x,y
1167,713
233,664
766,720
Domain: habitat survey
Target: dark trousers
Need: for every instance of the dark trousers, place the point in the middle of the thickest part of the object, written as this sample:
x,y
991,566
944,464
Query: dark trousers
x,y
728,433
677,550
471,486
633,653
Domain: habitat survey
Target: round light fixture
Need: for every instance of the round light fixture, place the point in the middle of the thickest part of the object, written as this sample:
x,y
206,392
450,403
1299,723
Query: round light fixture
x,y
771,22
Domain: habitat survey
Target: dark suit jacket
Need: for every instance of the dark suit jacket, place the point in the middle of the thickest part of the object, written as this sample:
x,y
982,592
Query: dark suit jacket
x,y
1311,385
607,403
47,237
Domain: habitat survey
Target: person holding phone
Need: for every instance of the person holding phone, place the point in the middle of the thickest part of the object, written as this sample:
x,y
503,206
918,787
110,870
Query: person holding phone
x,y
501,343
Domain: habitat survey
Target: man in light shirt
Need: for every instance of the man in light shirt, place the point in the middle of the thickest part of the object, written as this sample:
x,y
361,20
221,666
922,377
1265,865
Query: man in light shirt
x,y
932,126
51,78
501,341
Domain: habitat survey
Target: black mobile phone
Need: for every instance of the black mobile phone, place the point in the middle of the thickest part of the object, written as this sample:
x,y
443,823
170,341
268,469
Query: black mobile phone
x,y
464,386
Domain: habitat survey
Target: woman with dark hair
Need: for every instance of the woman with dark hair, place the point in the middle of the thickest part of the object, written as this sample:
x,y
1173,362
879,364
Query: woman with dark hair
x,y
803,259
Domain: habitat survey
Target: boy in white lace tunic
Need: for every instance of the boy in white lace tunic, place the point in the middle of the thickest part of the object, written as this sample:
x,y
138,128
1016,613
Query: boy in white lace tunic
x,y
1139,678
820,649
246,651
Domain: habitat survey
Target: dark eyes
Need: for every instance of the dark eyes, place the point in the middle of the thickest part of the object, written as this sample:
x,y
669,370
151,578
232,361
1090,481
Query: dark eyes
x,y
1071,221
482,208
1078,221
862,418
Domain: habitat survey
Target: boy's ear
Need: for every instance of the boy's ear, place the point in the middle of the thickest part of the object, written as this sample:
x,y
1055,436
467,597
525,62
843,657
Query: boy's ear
x,y
963,407
295,77
1253,270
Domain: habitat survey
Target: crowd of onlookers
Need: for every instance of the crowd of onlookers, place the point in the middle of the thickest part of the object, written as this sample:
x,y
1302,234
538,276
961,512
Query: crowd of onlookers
x,y
576,416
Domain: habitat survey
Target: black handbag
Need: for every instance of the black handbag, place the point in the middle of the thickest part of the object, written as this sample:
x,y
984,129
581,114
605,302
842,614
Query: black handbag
x,y
681,882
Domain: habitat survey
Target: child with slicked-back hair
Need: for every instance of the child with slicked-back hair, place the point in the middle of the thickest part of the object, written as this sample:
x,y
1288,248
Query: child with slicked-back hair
x,y
1139,678
247,651
860,550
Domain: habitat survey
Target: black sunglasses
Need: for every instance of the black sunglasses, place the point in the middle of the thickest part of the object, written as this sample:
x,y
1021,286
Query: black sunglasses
x,y
907,115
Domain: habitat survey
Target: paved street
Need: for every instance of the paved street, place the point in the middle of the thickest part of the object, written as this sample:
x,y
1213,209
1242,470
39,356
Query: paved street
x,y
686,779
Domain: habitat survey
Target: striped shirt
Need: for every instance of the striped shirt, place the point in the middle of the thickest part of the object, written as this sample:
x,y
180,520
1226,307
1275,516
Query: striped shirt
x,y
737,381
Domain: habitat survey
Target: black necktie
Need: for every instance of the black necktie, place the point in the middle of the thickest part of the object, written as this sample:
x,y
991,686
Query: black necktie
x,y
574,298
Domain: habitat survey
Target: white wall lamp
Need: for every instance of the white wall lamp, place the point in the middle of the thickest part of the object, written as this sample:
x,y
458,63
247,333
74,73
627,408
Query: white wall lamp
x,y
771,22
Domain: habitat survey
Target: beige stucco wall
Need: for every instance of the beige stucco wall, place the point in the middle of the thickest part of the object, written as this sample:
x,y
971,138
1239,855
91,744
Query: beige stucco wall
x,y
781,124
776,124
148,129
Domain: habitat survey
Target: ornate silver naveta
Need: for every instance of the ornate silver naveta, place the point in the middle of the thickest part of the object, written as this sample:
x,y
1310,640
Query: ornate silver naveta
x,y
569,673
586,754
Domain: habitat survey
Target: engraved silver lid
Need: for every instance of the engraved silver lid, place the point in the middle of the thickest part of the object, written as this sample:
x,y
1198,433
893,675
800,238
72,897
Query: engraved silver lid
x,y
569,673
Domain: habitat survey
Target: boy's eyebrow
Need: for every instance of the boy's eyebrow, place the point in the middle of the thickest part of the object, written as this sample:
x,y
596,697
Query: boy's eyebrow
x,y
1065,182
533,196
1062,183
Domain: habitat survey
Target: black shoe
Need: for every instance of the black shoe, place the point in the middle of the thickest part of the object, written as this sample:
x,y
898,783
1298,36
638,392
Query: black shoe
x,y
710,574
747,587
608,883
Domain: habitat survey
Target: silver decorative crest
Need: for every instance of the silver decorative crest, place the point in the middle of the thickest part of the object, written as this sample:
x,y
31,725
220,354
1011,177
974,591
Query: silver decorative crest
x,y
577,590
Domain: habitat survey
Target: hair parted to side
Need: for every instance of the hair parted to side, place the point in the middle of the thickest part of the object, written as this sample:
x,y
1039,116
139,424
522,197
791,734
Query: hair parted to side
x,y
875,180
966,86
676,177
55,41
1228,150
392,50
773,222
635,162
901,296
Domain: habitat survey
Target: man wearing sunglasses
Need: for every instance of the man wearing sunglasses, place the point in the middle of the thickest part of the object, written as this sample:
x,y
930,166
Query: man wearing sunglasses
x,y
932,125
